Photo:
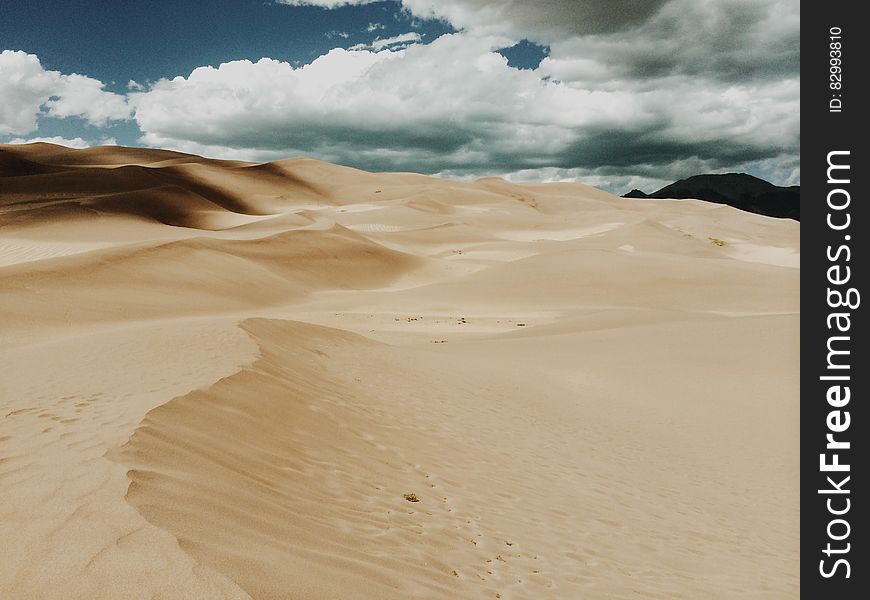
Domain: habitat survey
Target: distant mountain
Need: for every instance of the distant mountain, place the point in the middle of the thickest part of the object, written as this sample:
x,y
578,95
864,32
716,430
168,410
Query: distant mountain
x,y
734,189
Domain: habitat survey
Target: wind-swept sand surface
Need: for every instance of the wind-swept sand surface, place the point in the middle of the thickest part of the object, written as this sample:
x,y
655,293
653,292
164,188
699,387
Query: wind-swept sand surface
x,y
299,380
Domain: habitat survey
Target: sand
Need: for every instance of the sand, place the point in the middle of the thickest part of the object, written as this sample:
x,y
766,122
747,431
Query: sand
x,y
223,380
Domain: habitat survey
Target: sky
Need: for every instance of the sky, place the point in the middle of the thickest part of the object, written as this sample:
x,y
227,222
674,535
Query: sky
x,y
620,94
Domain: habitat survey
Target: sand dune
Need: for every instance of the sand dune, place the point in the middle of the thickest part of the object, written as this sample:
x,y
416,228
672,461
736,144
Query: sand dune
x,y
226,380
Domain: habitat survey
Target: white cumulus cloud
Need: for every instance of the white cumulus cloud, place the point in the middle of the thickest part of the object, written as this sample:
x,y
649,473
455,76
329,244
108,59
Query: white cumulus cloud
x,y
28,91
456,106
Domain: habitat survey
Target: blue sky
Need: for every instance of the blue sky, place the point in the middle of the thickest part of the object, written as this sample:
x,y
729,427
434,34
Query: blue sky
x,y
616,93
148,40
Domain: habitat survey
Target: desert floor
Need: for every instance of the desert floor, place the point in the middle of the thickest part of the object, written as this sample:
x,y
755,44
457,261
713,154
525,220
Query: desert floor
x,y
221,379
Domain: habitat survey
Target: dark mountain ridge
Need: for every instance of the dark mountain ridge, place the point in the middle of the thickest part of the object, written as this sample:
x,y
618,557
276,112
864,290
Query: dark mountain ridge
x,y
739,190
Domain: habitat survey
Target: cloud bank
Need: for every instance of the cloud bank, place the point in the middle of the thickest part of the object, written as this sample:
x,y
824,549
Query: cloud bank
x,y
632,92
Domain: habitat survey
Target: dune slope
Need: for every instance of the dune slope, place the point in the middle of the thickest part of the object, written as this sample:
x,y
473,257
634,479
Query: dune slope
x,y
299,380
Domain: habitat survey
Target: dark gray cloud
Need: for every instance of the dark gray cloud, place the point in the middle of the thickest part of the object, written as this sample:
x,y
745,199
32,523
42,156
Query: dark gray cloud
x,y
541,20
728,40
